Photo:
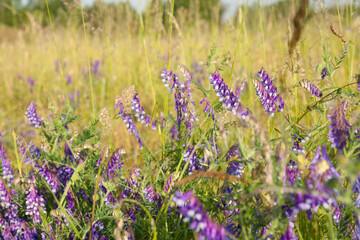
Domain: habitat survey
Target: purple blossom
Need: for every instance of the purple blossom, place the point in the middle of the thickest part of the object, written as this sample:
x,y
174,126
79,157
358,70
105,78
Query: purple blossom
x,y
109,196
289,234
149,193
321,166
190,155
140,111
227,97
7,171
235,167
296,147
208,109
5,196
64,174
339,127
308,203
33,118
193,212
49,176
34,201
70,201
170,80
311,88
324,73
357,133
132,185
130,124
291,173
358,81
268,93
68,79
169,184
115,164
174,132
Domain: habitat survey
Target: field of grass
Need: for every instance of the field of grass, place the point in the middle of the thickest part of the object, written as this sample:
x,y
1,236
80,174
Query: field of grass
x,y
100,139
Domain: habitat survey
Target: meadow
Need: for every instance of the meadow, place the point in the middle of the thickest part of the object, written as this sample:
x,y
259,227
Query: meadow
x,y
174,123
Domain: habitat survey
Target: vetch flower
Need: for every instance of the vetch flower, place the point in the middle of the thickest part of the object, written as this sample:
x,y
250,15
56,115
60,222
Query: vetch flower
x,y
297,140
291,173
229,100
140,111
235,167
311,88
208,109
321,166
193,212
33,118
130,124
49,176
34,202
268,93
339,127
324,73
170,79
7,171
289,234
115,164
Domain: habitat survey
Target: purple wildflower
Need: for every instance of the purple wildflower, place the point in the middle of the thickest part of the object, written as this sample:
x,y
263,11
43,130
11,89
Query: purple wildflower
x,y
5,197
339,128
357,133
33,118
174,132
208,109
70,201
296,147
324,73
311,88
7,171
34,202
265,99
68,79
170,79
140,111
190,155
307,202
291,173
227,97
149,193
132,185
49,177
109,196
64,173
115,165
289,234
321,166
358,81
130,124
200,222
272,98
235,167
169,184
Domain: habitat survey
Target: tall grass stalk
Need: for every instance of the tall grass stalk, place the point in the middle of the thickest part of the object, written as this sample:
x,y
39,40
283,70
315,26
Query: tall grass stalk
x,y
56,50
89,65
238,41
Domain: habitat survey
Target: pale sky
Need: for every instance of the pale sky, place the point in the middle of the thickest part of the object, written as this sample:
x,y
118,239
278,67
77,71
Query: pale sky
x,y
232,5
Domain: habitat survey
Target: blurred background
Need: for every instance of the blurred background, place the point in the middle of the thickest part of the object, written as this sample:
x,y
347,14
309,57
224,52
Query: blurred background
x,y
45,53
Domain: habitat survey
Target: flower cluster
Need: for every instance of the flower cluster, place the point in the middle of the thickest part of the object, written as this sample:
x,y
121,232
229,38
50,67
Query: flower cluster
x,y
170,80
49,177
321,167
140,111
229,100
33,118
268,93
115,164
297,140
130,124
34,201
200,222
339,127
7,171
235,167
191,157
311,88
289,234
324,73
291,173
